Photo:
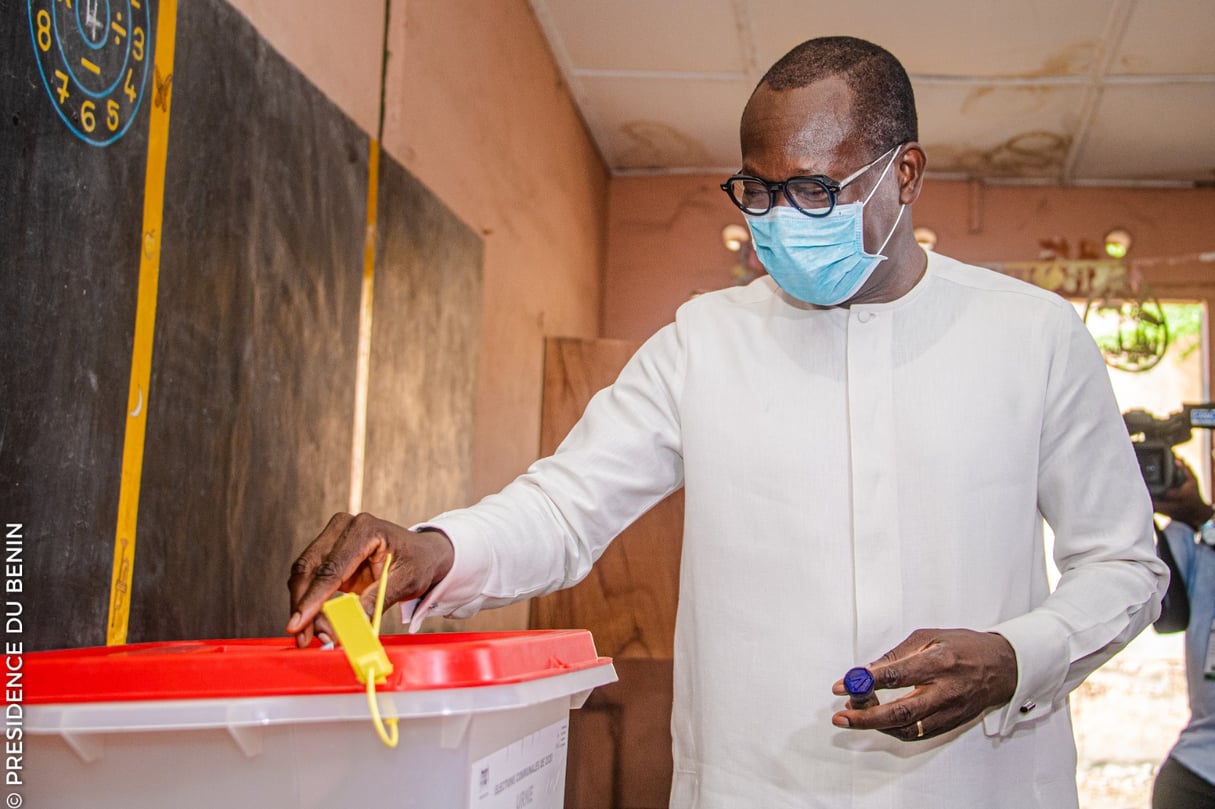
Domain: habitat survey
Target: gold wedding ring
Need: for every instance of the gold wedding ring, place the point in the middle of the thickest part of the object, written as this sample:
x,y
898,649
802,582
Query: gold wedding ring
x,y
919,728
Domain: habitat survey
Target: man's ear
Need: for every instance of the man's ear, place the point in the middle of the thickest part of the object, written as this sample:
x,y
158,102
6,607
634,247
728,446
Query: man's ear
x,y
910,171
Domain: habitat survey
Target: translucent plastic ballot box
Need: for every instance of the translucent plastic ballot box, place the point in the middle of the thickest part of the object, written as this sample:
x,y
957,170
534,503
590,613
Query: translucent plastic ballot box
x,y
482,721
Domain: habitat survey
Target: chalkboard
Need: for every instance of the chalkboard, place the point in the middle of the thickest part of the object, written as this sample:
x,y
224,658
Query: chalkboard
x,y
420,402
251,400
248,441
70,218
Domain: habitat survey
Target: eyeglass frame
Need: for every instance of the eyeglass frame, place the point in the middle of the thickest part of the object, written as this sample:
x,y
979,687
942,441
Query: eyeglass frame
x,y
832,188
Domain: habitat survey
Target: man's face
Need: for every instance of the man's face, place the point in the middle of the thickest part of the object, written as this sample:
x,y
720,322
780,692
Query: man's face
x,y
809,130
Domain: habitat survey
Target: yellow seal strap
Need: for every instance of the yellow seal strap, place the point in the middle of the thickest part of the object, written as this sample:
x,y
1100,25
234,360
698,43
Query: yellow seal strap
x,y
361,643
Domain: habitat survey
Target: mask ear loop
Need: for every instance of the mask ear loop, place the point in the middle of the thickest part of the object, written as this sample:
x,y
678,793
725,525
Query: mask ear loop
x,y
902,205
391,736
873,190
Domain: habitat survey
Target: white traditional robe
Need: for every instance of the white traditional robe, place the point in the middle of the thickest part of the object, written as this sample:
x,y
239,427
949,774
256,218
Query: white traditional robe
x,y
851,475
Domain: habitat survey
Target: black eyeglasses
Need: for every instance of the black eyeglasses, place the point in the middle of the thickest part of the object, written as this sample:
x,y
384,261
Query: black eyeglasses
x,y
813,195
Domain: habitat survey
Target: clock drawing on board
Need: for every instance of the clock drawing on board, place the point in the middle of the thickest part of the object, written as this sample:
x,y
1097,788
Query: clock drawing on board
x,y
93,56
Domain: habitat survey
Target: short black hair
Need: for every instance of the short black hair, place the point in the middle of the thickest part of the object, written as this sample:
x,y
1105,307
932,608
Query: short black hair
x,y
884,105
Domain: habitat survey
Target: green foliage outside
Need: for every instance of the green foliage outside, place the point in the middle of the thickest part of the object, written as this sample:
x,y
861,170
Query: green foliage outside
x,y
1182,322
1185,326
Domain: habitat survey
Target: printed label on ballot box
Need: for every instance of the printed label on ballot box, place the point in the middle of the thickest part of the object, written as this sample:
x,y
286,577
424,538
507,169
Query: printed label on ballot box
x,y
527,773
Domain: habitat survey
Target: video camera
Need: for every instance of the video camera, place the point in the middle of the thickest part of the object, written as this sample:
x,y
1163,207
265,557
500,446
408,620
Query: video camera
x,y
1155,438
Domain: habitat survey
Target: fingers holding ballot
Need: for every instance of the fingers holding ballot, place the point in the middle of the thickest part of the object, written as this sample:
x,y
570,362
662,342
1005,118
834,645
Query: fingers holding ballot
x,y
349,556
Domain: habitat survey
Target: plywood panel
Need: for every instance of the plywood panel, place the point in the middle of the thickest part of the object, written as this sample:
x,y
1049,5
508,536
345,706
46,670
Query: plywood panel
x,y
424,350
620,742
628,599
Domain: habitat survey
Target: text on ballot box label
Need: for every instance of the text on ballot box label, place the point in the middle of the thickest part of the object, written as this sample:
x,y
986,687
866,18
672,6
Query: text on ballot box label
x,y
527,773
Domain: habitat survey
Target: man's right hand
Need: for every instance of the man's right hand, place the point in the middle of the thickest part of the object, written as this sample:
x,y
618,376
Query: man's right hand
x,y
349,556
1184,502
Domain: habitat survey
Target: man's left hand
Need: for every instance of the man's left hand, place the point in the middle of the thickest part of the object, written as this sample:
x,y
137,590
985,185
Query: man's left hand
x,y
955,674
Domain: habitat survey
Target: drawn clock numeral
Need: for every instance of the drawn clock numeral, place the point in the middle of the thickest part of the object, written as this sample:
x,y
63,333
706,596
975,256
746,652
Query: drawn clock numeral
x,y
93,56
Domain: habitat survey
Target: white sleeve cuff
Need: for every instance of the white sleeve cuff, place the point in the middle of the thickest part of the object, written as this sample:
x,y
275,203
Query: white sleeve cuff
x,y
1040,645
459,593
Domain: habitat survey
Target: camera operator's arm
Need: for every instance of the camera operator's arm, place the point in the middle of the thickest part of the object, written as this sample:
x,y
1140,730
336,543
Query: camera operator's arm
x,y
1183,504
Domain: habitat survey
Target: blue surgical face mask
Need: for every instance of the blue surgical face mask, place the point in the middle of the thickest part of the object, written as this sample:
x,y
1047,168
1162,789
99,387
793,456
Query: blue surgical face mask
x,y
819,260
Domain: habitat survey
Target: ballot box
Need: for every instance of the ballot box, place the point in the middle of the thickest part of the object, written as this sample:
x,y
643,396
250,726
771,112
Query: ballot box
x,y
482,722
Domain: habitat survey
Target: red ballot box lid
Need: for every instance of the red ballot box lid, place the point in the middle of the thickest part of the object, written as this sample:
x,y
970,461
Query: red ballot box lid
x,y
211,669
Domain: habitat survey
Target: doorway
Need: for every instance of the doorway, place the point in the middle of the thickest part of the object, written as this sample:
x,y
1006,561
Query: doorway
x,y
1127,714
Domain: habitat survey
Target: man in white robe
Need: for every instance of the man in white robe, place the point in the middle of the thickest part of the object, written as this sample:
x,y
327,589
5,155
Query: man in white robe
x,y
869,439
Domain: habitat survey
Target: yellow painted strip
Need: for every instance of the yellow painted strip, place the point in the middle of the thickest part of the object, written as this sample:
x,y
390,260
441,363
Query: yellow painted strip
x,y
362,373
145,323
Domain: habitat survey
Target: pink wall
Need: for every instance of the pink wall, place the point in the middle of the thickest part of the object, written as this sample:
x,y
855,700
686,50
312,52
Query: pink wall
x,y
339,53
477,111
664,244
1004,222
664,236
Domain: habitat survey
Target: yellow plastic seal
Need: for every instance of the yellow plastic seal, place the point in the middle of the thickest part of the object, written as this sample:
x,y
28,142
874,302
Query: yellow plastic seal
x,y
360,640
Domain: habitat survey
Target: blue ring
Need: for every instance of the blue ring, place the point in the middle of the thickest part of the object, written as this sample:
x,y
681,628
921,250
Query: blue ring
x,y
100,43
